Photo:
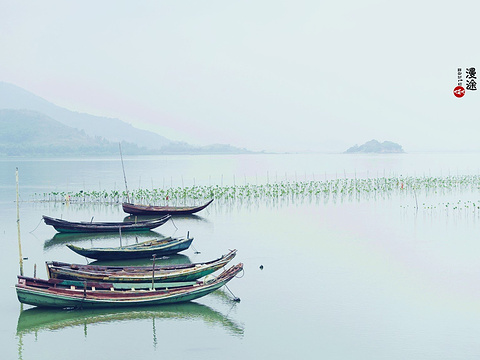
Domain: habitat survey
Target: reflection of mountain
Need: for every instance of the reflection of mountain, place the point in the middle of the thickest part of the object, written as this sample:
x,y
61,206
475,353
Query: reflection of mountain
x,y
38,319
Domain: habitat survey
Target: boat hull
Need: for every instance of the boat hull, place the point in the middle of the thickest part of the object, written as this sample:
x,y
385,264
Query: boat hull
x,y
134,209
45,299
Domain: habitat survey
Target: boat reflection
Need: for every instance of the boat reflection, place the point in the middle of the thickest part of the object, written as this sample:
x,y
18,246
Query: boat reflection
x,y
37,320
61,239
162,260
191,217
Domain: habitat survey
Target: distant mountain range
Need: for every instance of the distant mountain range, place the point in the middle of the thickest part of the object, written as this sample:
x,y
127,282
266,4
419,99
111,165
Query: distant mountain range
x,y
30,125
374,146
30,133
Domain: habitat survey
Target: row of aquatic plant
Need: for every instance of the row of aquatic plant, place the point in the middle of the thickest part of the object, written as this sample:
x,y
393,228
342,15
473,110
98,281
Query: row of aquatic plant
x,y
352,187
451,205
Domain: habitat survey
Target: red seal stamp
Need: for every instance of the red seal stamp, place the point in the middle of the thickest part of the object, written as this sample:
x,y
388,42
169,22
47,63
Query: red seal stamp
x,y
459,91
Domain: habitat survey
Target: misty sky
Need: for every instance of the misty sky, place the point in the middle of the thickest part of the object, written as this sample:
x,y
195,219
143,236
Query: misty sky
x,y
266,75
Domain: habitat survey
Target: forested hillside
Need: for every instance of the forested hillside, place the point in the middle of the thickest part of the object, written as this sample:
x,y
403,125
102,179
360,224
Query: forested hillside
x,y
26,132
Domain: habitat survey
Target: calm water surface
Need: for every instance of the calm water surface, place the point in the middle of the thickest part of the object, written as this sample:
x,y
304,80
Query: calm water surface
x,y
342,278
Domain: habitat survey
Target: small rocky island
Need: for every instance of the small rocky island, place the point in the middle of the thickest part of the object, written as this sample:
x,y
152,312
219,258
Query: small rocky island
x,y
374,146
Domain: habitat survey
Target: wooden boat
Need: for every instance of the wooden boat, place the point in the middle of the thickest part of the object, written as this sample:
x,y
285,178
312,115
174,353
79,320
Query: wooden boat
x,y
76,294
135,209
144,249
65,226
136,274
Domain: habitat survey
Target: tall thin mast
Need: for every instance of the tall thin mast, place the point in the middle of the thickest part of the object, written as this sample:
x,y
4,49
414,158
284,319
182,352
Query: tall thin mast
x,y
18,226
123,168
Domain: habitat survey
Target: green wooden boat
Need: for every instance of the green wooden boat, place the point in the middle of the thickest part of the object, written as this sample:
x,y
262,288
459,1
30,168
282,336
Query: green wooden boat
x,y
144,249
136,274
67,294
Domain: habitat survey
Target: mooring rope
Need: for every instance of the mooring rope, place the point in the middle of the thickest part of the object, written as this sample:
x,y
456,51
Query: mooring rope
x,y
174,223
196,251
243,274
36,226
237,299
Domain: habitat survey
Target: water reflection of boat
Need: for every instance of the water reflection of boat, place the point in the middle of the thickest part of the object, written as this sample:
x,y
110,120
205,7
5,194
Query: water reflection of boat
x,y
61,239
40,319
167,260
192,217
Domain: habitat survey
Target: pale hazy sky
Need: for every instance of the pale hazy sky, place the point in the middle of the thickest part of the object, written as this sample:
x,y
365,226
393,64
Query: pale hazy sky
x,y
266,75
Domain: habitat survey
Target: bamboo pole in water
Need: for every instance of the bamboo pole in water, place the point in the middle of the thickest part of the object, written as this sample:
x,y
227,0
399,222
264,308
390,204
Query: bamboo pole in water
x,y
18,227
153,273
123,168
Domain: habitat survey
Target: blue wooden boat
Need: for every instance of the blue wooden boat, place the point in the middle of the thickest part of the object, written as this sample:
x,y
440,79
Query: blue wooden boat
x,y
65,226
145,249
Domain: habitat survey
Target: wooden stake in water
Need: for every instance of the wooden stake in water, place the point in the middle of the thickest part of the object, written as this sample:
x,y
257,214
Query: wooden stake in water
x,y
18,227
153,273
